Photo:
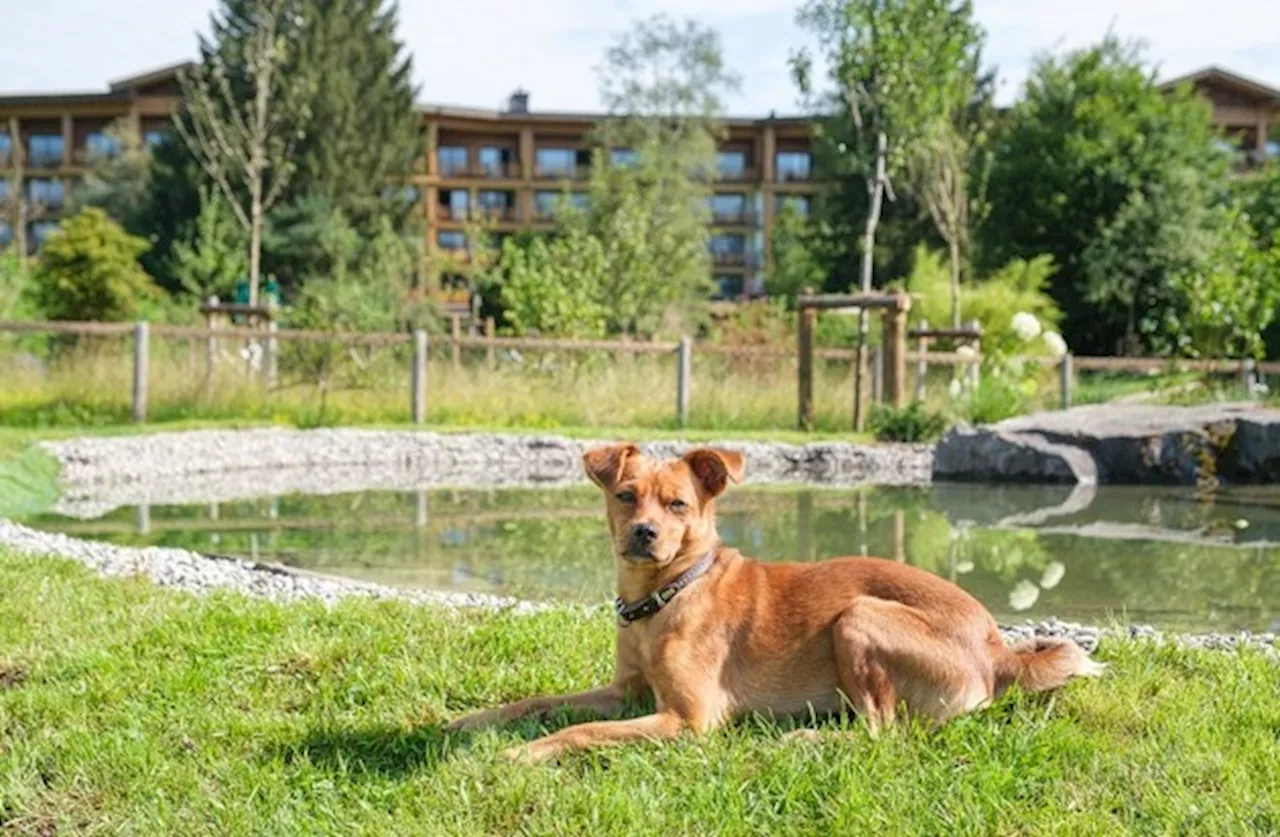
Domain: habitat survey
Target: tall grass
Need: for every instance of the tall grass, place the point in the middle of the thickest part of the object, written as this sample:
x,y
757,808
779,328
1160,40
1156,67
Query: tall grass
x,y
88,383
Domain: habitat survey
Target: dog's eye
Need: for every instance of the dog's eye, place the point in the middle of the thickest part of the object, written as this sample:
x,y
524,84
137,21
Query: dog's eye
x,y
626,496
678,505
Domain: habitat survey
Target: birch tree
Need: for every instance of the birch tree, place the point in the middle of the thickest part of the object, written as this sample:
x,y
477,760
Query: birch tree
x,y
243,131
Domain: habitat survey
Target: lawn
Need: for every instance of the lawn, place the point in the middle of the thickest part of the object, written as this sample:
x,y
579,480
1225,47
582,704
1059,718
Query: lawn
x,y
129,709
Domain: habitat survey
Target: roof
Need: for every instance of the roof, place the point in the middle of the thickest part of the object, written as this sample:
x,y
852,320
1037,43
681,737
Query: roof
x,y
1217,76
165,73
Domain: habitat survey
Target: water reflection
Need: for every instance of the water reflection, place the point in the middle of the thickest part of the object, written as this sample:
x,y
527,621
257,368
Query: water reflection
x,y
1159,555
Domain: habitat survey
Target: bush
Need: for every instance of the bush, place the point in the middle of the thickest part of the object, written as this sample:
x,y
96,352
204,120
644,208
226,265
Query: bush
x,y
912,423
996,398
89,270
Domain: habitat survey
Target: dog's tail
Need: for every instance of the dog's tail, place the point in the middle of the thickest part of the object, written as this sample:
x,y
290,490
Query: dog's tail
x,y
1044,663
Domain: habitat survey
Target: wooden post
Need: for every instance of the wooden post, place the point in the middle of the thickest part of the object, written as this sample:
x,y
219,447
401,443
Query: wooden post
x,y
922,361
893,358
1066,380
456,333
210,350
684,379
877,374
418,377
804,343
273,355
140,357
490,331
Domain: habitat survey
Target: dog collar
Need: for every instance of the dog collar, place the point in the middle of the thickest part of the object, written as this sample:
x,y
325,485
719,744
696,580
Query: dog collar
x,y
629,612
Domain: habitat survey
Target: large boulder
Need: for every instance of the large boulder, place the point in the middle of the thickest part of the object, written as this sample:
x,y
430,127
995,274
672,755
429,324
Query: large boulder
x,y
1112,443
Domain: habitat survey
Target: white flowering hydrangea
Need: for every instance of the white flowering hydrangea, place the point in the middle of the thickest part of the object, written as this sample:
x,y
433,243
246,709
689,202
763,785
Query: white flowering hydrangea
x,y
1026,326
1054,342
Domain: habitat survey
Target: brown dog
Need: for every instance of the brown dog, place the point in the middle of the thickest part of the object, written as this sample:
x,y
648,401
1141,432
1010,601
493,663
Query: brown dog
x,y
713,634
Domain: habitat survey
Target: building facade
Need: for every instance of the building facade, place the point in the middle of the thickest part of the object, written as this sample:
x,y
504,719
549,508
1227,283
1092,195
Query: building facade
x,y
513,164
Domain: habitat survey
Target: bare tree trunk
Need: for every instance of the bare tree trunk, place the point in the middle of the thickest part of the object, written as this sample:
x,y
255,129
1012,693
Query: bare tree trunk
x,y
868,255
953,245
255,244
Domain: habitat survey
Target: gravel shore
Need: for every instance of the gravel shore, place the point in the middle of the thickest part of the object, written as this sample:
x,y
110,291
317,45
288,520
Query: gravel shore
x,y
102,473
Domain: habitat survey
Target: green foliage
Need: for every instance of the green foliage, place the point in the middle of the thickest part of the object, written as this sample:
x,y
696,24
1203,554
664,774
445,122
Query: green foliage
x,y
121,184
16,287
1230,293
210,258
89,271
1258,195
794,261
1112,177
998,396
555,286
1019,286
912,423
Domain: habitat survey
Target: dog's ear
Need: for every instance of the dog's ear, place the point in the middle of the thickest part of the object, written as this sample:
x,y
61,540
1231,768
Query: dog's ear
x,y
715,469
604,464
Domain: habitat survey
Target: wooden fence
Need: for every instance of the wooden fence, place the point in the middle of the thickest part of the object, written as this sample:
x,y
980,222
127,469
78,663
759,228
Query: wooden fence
x,y
683,350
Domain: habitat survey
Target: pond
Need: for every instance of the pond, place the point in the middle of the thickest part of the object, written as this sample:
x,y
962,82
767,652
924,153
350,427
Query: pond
x,y
1161,556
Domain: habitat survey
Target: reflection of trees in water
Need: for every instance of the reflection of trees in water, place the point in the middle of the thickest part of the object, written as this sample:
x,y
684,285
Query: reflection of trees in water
x,y
554,542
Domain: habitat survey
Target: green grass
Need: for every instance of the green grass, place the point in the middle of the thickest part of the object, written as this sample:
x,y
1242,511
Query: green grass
x,y
127,709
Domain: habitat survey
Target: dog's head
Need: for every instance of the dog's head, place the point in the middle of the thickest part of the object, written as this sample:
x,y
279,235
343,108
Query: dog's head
x,y
661,509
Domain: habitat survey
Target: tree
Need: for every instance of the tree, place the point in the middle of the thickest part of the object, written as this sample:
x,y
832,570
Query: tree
x,y
895,69
663,85
794,261
120,184
241,118
15,287
89,271
1113,177
556,285
210,257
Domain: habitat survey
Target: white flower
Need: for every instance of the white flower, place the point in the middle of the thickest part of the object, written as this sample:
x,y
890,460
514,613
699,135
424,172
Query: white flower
x,y
1052,575
955,389
1023,595
1026,326
1057,346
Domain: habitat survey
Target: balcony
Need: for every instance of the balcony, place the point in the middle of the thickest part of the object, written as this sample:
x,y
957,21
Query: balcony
x,y
734,218
483,171
733,258
498,213
574,172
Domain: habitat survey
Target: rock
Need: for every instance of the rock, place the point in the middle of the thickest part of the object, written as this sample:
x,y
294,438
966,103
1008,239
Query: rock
x,y
1128,444
998,455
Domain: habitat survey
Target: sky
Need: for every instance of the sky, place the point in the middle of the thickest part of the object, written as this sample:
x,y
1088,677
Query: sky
x,y
475,52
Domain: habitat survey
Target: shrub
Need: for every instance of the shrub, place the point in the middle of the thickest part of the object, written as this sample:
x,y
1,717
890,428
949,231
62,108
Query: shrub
x,y
912,423
89,270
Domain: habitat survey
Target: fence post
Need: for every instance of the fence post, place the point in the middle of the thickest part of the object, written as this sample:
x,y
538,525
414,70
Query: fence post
x,y
210,350
877,375
893,353
273,355
456,334
1248,369
418,377
804,342
1066,380
140,357
490,330
922,361
684,379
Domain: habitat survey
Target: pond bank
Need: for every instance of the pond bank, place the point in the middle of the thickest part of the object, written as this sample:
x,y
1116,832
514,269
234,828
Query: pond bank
x,y
197,573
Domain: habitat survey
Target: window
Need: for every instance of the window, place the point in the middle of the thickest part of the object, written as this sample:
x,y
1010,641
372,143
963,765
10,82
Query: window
x,y
453,159
100,146
154,137
44,191
731,208
793,165
451,240
556,162
40,230
731,165
728,286
4,189
494,161
545,203
454,203
728,248
623,157
6,147
6,234
495,202
44,149
800,203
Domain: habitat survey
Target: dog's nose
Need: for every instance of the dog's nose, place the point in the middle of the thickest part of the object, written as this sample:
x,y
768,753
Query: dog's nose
x,y
644,532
